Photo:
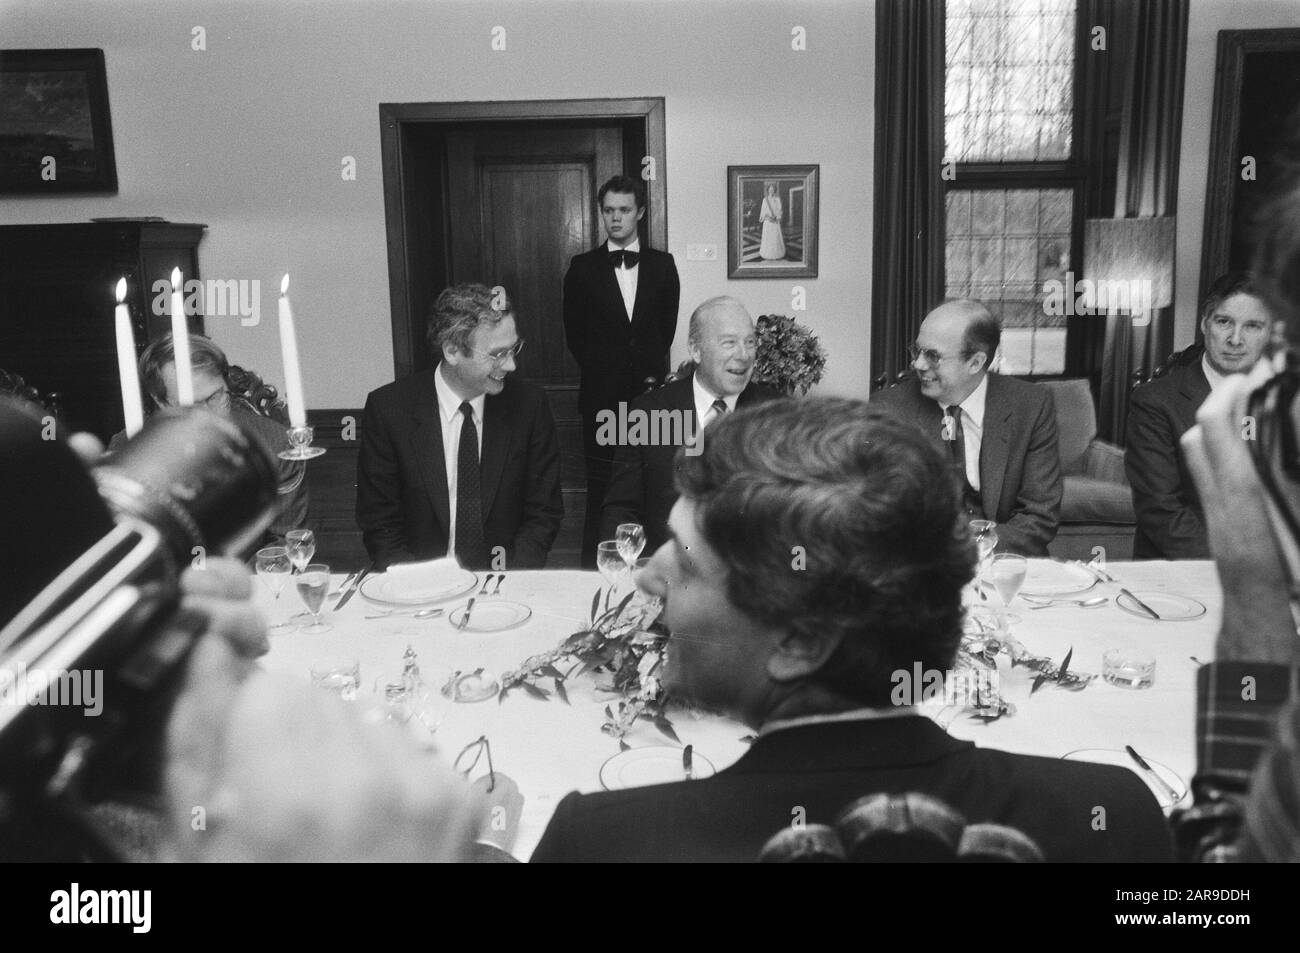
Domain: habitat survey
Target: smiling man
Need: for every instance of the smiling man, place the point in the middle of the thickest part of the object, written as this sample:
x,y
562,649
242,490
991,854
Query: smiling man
x,y
998,432
804,652
620,315
724,346
463,459
1236,325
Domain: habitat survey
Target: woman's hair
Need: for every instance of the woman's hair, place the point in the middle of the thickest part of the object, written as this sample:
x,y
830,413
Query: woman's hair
x,y
204,356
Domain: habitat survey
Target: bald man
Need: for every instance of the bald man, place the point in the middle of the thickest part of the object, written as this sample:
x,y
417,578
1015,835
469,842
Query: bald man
x,y
999,431
724,345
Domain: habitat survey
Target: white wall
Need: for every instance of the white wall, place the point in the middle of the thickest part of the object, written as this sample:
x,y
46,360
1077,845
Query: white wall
x,y
247,137
1208,17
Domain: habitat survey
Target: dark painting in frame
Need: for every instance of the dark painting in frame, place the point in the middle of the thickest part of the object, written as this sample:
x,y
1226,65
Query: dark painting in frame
x,y
54,106
772,217
1254,128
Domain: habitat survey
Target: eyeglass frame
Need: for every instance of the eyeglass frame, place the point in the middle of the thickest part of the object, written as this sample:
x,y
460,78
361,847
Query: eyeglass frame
x,y
915,352
498,361
483,746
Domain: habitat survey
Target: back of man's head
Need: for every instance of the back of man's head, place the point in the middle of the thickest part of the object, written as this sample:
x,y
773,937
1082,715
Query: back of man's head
x,y
833,517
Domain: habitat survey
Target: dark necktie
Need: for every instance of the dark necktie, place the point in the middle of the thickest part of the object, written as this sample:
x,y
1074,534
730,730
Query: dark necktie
x,y
471,549
619,257
719,407
957,447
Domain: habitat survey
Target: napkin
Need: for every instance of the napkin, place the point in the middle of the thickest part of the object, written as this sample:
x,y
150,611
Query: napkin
x,y
423,580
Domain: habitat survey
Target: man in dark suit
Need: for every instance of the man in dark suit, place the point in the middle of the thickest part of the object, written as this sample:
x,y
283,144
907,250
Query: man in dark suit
x,y
620,315
723,345
999,432
461,460
810,656
1170,523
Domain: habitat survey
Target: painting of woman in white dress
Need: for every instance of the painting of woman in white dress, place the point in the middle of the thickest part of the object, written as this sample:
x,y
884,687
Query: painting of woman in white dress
x,y
772,246
772,221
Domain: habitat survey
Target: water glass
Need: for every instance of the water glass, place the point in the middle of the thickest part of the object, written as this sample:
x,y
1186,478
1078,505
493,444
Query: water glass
x,y
313,582
341,675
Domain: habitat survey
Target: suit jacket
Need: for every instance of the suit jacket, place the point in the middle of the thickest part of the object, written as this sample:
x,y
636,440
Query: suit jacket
x,y
1020,463
823,767
1169,520
402,502
617,355
642,489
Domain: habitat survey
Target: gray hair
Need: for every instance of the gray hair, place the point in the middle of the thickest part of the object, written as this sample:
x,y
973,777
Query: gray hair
x,y
459,310
696,327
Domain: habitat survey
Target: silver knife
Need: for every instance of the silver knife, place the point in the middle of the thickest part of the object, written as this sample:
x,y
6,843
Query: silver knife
x,y
464,620
1141,605
1150,772
344,584
355,586
687,759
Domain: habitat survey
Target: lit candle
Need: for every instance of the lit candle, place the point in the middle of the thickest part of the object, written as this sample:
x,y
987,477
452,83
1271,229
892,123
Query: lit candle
x,y
132,409
292,370
181,343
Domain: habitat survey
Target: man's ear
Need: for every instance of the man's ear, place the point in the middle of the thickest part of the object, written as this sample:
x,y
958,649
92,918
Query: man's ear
x,y
981,360
640,213
693,352
800,656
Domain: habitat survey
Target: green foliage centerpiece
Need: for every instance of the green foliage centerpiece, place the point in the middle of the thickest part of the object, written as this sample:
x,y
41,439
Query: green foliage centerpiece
x,y
790,358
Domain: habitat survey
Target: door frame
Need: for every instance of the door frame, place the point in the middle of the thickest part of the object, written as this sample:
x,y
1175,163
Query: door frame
x,y
397,120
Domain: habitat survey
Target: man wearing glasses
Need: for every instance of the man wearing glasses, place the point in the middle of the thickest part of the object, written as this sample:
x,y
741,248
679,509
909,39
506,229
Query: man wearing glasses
x,y
1171,523
999,432
211,372
461,460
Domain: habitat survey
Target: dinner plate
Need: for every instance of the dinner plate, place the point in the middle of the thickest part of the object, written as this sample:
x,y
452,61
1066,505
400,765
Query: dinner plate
x,y
658,764
491,615
1170,607
1049,580
1118,756
378,590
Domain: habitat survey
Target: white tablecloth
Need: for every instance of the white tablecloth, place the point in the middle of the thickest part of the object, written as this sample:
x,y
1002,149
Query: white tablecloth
x,y
550,748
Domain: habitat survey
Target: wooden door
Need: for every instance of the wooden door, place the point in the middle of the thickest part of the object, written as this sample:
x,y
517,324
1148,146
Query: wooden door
x,y
521,201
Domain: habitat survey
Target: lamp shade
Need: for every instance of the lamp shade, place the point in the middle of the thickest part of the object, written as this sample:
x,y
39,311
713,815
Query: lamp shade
x,y
1130,262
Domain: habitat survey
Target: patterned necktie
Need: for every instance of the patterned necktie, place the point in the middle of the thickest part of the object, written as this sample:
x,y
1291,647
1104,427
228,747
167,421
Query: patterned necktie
x,y
471,549
957,447
719,407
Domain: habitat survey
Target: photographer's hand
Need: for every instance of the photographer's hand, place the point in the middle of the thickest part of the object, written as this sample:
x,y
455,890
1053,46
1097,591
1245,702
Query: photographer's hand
x,y
1257,623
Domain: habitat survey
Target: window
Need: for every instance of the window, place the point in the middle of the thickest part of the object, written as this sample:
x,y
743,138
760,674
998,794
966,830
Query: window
x,y
1013,191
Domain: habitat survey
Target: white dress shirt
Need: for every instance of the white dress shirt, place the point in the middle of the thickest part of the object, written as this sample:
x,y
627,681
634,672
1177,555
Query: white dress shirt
x,y
627,276
1214,378
972,428
452,423
704,411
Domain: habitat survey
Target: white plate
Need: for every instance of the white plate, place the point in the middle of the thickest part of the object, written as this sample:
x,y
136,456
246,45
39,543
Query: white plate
x,y
377,589
1049,580
491,615
1121,758
658,764
1169,607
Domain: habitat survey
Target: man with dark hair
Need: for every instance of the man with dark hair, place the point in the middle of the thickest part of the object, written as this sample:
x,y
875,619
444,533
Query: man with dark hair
x,y
807,652
999,432
1170,522
620,315
462,459
723,346
211,373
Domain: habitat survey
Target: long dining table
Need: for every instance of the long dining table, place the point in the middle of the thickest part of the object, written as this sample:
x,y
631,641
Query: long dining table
x,y
550,748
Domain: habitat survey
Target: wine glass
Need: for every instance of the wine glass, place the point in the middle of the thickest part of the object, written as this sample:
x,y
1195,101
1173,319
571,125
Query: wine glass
x,y
610,562
301,546
986,540
631,540
313,582
272,564
1007,573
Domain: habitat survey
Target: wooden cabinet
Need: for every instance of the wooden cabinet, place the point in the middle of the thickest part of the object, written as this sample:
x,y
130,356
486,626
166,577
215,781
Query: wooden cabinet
x,y
57,300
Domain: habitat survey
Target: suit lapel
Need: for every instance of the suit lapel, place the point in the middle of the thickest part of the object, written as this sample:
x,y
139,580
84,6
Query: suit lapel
x,y
608,285
994,446
1195,387
497,432
643,283
429,452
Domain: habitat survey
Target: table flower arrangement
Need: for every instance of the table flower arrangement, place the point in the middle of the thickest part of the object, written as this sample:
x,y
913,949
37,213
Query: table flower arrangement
x,y
624,644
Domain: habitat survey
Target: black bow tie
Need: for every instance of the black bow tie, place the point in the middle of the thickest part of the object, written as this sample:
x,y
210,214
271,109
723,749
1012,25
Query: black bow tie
x,y
617,258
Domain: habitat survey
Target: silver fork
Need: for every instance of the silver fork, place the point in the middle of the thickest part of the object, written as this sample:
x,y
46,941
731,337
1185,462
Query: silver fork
x,y
500,579
487,581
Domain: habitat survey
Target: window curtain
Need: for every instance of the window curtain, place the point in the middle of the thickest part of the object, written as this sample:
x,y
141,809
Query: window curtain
x,y
1146,185
908,249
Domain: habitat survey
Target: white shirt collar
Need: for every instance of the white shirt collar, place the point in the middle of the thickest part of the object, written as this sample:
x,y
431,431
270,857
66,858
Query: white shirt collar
x,y
974,402
704,400
635,246
448,402
1211,375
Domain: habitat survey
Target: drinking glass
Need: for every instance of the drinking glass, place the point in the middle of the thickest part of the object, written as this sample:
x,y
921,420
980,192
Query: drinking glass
x,y
1007,574
986,540
631,540
272,564
610,562
301,544
340,675
313,582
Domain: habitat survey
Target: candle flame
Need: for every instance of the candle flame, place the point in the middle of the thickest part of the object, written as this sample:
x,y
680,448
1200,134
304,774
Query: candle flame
x,y
121,290
284,284
176,279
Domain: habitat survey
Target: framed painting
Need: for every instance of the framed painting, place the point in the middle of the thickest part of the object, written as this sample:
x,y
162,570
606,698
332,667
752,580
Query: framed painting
x,y
55,131
772,221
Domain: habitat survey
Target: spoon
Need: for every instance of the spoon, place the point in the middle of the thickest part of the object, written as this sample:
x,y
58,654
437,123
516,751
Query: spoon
x,y
1092,603
422,614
